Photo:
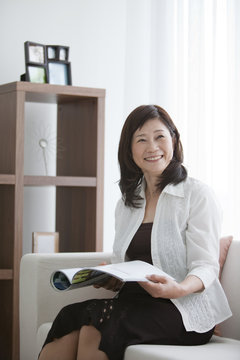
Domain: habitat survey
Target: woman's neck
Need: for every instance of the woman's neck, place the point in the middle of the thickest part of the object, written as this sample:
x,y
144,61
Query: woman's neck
x,y
151,189
152,196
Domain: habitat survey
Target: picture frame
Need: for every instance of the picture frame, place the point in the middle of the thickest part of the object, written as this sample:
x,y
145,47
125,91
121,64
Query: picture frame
x,y
57,53
47,64
37,73
51,52
63,53
35,53
59,73
45,242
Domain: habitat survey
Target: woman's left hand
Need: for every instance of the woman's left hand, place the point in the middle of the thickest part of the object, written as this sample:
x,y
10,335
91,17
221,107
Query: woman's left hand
x,y
162,287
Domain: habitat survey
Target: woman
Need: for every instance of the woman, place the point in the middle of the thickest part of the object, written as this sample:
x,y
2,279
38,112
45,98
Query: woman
x,y
165,218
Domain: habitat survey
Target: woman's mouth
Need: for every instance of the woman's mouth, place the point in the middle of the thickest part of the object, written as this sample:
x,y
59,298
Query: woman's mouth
x,y
153,158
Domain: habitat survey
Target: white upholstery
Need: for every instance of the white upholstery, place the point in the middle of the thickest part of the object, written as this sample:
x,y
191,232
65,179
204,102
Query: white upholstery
x,y
39,304
41,334
218,348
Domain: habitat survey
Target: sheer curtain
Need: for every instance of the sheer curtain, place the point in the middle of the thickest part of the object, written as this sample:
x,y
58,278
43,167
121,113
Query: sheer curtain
x,y
195,75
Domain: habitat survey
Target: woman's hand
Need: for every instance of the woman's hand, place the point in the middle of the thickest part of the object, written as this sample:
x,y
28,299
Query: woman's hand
x,y
112,283
163,287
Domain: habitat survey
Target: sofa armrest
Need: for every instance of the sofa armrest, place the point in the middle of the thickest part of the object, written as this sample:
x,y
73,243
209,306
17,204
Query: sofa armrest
x,y
39,302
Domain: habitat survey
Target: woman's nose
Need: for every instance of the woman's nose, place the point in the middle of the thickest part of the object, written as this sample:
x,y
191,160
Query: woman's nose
x,y
152,146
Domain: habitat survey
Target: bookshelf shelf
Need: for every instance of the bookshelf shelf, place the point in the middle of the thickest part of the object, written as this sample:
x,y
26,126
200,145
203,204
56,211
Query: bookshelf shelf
x,y
6,274
59,181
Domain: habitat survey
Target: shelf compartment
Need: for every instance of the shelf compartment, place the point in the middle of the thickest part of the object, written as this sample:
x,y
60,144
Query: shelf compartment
x,y
7,193
59,181
77,123
7,132
6,328
77,224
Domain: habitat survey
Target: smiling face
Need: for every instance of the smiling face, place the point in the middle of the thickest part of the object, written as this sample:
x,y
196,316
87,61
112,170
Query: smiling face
x,y
152,147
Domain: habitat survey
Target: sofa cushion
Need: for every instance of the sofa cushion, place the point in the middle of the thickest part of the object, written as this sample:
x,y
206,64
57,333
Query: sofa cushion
x,y
225,243
218,348
41,335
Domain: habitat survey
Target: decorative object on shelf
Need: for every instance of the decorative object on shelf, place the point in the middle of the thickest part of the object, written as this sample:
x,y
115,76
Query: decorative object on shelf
x,y
43,143
47,64
45,147
41,146
45,242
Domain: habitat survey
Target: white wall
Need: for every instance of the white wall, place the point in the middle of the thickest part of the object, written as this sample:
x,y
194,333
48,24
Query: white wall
x,y
109,48
128,47
95,31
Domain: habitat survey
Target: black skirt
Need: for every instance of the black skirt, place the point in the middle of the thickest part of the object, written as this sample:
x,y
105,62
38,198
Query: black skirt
x,y
133,317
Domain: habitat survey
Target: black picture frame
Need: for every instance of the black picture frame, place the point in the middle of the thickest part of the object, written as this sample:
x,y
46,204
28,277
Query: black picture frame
x,y
47,64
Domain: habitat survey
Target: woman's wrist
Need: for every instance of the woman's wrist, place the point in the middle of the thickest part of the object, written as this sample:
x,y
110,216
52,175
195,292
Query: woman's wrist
x,y
191,284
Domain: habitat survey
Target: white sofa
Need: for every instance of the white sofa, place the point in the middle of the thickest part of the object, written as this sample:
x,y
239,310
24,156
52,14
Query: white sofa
x,y
39,304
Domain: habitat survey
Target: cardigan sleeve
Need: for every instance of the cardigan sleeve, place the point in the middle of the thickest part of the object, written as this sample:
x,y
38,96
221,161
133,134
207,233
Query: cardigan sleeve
x,y
118,214
203,234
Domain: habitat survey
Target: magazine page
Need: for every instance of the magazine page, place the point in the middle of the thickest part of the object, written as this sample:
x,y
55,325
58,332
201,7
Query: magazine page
x,y
136,270
127,271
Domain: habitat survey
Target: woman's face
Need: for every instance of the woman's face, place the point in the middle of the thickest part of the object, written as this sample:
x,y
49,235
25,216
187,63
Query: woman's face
x,y
152,147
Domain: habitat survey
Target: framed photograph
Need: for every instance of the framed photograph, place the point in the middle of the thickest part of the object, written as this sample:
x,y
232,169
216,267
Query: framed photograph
x,y
59,73
35,53
63,53
37,74
45,242
51,52
57,52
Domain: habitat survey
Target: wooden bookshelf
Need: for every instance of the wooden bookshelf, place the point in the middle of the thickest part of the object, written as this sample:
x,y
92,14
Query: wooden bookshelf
x,y
78,182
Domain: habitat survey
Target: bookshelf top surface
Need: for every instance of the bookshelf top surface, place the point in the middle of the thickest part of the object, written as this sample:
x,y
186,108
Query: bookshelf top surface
x,y
50,93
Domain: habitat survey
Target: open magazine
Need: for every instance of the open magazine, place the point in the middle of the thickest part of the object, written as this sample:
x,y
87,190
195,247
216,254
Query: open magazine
x,y
66,279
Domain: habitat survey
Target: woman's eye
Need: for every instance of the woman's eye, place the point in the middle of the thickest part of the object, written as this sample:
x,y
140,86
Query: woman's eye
x,y
141,140
160,136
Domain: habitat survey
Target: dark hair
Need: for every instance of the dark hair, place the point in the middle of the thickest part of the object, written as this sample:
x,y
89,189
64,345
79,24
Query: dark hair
x,y
131,174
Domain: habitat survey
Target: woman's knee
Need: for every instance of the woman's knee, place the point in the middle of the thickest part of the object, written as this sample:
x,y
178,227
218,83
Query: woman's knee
x,y
90,334
63,348
88,346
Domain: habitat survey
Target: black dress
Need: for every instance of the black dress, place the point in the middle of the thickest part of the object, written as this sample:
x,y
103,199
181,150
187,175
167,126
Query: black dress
x,y
132,317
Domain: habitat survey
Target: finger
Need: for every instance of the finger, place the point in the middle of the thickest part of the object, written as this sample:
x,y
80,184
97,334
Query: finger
x,y
148,285
157,278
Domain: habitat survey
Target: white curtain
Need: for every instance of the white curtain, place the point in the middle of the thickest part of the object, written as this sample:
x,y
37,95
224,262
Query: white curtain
x,y
195,75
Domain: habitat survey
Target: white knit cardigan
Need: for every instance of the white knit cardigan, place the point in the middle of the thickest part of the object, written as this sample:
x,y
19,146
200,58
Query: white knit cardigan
x,y
184,241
